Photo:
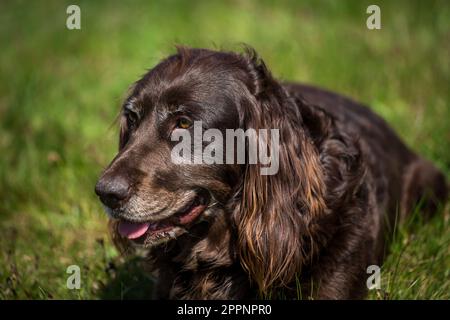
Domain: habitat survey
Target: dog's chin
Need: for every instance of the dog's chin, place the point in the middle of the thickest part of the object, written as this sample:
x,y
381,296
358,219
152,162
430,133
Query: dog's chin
x,y
146,234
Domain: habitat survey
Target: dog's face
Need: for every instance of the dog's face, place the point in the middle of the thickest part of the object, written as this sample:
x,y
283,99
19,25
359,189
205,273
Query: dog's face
x,y
153,198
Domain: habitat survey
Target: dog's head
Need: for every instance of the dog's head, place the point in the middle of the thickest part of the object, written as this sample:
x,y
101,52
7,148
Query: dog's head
x,y
155,199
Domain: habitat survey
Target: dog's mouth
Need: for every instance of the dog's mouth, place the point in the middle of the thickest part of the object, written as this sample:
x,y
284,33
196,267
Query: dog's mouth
x,y
142,232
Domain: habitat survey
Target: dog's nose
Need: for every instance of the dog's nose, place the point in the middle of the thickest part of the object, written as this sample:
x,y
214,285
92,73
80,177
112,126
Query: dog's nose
x,y
112,190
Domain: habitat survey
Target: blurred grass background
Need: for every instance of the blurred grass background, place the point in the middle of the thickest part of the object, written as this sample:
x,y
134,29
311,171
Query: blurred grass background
x,y
60,91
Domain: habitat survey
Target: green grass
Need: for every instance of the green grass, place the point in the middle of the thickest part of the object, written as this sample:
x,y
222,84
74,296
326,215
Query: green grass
x,y
60,91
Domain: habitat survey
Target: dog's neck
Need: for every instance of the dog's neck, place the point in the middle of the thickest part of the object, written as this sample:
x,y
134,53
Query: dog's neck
x,y
201,264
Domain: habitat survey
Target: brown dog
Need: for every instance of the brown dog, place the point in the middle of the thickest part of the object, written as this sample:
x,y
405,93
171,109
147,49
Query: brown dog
x,y
226,231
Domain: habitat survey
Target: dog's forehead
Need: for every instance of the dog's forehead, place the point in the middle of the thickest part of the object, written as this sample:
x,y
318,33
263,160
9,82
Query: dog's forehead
x,y
169,98
198,89
214,81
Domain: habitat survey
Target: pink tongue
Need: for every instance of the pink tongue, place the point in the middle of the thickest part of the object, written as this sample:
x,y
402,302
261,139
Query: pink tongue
x,y
132,230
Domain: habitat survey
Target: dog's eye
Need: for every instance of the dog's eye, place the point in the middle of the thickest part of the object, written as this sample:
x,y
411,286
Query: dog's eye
x,y
184,123
131,120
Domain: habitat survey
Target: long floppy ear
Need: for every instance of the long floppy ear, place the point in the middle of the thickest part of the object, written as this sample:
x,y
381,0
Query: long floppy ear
x,y
273,216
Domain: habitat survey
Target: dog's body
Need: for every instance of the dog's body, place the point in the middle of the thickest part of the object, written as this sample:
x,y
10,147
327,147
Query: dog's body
x,y
312,229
